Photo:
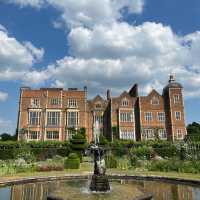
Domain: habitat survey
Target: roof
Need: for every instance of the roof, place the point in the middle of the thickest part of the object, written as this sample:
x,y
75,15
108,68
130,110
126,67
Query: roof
x,y
172,83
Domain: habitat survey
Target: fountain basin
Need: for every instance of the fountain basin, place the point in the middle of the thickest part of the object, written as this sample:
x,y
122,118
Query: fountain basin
x,y
99,183
121,188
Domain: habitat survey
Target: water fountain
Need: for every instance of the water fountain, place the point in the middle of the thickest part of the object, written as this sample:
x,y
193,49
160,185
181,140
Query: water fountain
x,y
99,182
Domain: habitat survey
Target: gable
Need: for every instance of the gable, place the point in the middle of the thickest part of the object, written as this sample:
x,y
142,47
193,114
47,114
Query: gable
x,y
124,94
154,93
98,98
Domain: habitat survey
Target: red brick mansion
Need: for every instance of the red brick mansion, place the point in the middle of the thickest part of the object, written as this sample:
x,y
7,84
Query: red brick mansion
x,y
52,113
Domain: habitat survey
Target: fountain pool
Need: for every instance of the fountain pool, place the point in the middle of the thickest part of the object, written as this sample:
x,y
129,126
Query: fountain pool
x,y
78,189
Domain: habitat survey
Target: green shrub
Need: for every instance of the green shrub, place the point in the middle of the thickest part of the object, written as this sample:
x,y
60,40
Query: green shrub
x,y
8,149
26,155
49,166
73,156
110,161
118,148
134,161
123,163
144,152
72,162
161,165
103,141
40,150
57,158
174,165
25,168
164,149
78,144
48,149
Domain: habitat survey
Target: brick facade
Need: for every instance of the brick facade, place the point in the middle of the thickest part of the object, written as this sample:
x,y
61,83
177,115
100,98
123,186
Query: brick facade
x,y
52,113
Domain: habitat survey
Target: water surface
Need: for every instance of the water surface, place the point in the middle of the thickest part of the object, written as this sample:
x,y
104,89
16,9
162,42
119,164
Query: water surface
x,y
120,189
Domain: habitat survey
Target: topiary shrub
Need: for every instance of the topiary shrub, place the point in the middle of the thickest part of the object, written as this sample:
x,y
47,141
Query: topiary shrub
x,y
111,161
72,162
78,144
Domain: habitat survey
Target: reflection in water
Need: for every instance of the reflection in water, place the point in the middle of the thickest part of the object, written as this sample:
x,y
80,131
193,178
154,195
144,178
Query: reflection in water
x,y
166,191
77,189
5,193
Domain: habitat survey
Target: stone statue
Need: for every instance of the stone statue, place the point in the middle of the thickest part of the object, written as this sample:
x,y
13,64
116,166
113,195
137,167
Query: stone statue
x,y
99,162
99,182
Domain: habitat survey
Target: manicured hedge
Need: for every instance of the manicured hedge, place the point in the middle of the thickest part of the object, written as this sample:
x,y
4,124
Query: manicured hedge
x,y
72,162
41,150
164,149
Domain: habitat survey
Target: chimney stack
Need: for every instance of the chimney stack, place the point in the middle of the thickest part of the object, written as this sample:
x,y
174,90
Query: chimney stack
x,y
108,95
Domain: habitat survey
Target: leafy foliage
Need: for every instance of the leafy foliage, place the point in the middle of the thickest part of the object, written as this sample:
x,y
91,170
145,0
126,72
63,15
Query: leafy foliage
x,y
7,137
145,153
110,161
164,149
40,150
50,165
193,131
72,162
103,141
174,165
78,143
193,128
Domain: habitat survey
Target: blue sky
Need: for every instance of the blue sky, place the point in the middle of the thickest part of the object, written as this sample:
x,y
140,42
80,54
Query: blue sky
x,y
104,44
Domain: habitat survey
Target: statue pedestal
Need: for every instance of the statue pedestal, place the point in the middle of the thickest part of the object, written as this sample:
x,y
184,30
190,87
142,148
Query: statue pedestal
x,y
99,183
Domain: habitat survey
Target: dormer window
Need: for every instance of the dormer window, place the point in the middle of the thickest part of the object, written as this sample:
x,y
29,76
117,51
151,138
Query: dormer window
x,y
155,101
125,102
35,102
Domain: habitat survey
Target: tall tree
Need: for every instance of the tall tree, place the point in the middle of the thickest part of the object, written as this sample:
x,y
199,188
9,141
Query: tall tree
x,y
6,137
193,129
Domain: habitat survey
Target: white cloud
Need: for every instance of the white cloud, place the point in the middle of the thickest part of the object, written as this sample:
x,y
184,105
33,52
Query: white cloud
x,y
92,12
3,96
123,40
108,52
87,12
24,3
118,55
34,77
16,58
134,6
35,52
2,28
